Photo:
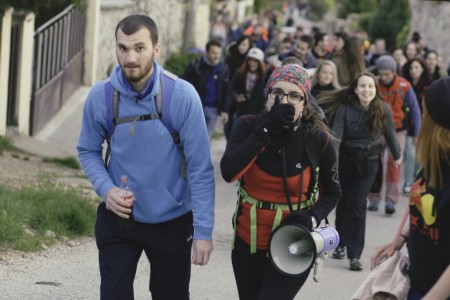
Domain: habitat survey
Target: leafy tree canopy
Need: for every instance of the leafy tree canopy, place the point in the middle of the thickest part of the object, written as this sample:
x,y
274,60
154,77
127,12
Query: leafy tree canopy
x,y
346,7
44,9
390,20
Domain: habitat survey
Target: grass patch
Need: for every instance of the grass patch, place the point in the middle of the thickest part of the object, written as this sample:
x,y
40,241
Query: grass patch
x,y
217,134
27,214
5,144
70,161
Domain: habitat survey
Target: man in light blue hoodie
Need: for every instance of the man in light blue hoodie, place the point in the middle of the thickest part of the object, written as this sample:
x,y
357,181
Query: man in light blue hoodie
x,y
173,214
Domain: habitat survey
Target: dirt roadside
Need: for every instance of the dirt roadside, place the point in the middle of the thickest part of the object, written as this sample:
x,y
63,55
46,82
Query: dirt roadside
x,y
69,269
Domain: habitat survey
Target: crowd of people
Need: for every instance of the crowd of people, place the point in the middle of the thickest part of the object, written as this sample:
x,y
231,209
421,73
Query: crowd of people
x,y
371,99
311,119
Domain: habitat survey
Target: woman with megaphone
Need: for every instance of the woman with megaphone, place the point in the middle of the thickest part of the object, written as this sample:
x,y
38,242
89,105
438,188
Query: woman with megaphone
x,y
281,159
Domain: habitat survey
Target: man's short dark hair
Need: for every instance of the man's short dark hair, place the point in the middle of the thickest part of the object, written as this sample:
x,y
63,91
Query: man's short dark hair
x,y
341,34
318,37
134,23
213,43
286,40
308,40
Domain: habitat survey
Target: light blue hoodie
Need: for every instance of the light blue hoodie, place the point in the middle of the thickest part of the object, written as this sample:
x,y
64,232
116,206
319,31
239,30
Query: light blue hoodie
x,y
150,157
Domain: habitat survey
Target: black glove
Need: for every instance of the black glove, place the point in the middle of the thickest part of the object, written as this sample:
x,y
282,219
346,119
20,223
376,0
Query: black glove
x,y
279,117
299,217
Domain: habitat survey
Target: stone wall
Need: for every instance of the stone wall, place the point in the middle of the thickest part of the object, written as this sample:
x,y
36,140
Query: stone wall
x,y
169,15
110,14
432,20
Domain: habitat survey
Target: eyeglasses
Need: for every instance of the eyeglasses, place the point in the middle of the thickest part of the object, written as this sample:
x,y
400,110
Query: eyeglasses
x,y
293,97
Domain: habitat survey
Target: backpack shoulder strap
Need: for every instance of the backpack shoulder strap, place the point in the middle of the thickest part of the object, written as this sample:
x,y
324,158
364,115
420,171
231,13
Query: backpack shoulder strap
x,y
167,82
112,111
109,91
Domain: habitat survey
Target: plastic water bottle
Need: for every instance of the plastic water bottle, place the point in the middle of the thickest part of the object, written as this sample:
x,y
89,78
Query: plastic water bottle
x,y
127,195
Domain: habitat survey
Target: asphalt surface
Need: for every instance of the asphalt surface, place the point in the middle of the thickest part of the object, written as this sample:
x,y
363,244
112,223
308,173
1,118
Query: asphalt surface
x,y
216,280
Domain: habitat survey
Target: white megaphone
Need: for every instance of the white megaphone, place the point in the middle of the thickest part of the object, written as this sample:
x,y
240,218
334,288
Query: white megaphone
x,y
293,249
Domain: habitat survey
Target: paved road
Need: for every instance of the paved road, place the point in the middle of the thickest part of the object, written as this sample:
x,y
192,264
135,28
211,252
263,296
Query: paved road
x,y
77,268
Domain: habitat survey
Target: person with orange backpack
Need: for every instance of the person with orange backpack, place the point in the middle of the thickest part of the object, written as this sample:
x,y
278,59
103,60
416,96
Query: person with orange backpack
x,y
399,94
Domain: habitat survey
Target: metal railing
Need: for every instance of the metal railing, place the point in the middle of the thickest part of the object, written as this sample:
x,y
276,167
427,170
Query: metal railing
x,y
58,64
56,42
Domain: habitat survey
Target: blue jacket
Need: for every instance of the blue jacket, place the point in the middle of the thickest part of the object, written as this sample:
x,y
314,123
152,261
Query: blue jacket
x,y
150,157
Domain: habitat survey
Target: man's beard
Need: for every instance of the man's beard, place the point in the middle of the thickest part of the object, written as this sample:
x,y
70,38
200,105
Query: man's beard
x,y
139,73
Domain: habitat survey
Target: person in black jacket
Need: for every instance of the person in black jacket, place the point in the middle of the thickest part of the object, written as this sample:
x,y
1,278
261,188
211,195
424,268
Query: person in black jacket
x,y
276,157
360,118
210,78
247,87
236,54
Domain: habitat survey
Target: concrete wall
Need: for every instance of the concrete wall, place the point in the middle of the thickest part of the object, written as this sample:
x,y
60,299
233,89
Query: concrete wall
x,y
169,16
5,39
432,21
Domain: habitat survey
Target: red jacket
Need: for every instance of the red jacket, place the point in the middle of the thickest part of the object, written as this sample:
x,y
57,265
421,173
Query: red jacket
x,y
399,94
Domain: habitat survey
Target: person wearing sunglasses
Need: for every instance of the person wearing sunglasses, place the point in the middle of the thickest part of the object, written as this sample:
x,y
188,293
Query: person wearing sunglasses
x,y
276,157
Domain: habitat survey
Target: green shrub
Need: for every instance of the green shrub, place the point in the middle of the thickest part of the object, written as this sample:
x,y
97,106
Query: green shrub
x,y
177,62
389,20
5,144
69,161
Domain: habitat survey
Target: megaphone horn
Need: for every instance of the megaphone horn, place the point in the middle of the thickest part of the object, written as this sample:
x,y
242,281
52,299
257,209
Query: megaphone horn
x,y
293,248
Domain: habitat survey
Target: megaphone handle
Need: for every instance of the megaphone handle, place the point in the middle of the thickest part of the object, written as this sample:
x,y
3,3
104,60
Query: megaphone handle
x,y
318,268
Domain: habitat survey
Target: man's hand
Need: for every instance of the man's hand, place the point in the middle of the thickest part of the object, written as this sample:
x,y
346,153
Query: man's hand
x,y
398,162
116,204
224,117
201,250
241,98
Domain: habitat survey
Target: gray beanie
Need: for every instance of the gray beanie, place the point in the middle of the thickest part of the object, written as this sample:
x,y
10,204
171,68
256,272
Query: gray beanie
x,y
386,62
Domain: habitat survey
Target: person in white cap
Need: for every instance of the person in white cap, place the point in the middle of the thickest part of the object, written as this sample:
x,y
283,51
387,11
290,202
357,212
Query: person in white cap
x,y
247,87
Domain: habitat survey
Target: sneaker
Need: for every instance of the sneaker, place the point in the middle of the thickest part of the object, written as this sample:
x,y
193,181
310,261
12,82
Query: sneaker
x,y
339,253
355,265
407,188
373,206
390,208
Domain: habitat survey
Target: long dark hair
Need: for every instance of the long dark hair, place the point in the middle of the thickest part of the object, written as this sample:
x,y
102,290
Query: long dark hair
x,y
233,51
353,55
261,72
311,116
334,99
424,80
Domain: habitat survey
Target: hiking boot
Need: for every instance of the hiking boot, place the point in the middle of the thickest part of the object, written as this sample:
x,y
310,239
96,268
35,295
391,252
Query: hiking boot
x,y
339,253
390,208
355,264
407,188
373,206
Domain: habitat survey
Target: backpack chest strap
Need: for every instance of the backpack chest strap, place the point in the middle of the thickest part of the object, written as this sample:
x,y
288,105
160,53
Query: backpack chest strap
x,y
136,118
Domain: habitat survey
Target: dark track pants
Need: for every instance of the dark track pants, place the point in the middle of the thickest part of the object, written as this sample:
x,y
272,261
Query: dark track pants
x,y
257,279
167,246
351,210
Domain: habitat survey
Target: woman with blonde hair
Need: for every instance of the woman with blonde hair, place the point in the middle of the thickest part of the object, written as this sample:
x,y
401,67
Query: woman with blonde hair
x,y
428,235
325,78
